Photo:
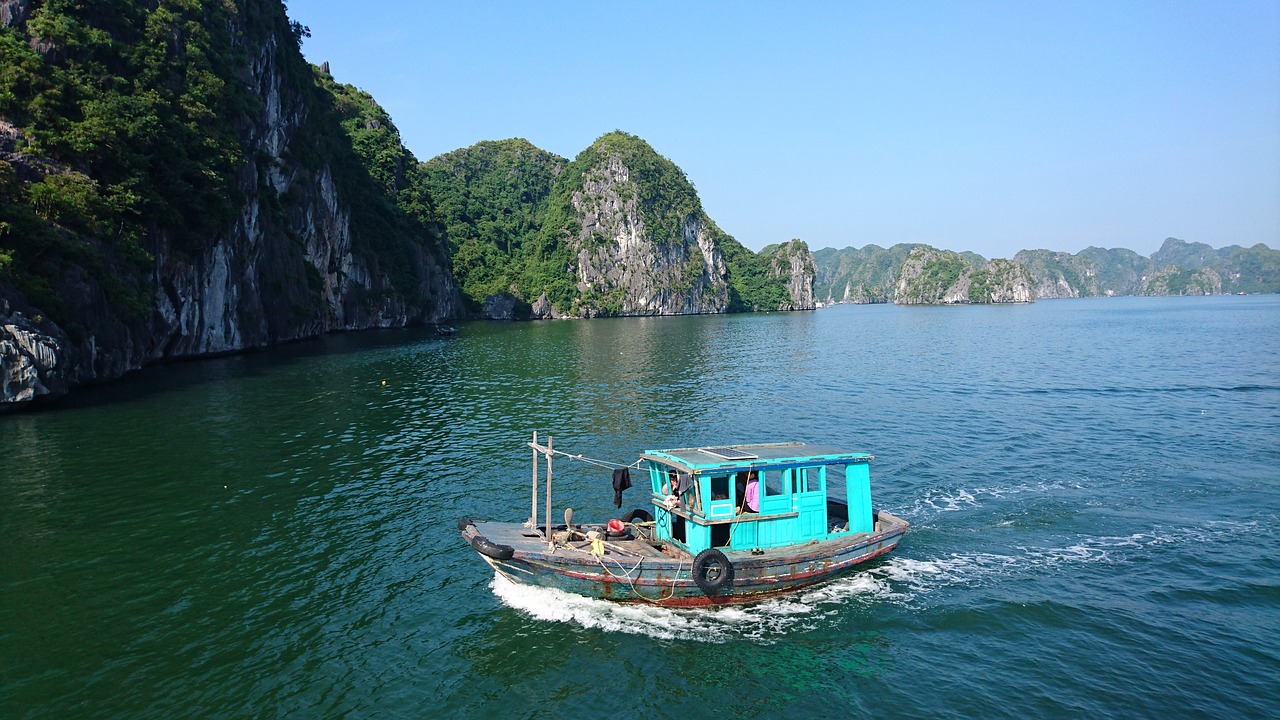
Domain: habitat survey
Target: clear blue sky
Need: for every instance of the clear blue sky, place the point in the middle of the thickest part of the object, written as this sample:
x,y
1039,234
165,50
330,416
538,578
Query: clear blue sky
x,y
985,126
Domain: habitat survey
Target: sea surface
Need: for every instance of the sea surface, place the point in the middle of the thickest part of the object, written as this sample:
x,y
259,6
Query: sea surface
x,y
1093,488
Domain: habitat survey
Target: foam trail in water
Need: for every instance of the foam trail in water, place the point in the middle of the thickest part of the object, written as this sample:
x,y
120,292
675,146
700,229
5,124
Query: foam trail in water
x,y
764,621
900,579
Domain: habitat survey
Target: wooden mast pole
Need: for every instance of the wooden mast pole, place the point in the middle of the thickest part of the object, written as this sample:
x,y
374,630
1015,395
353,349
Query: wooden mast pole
x,y
533,506
551,543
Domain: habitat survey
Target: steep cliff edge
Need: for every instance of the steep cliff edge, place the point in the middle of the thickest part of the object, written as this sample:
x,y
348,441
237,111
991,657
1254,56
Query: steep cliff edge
x,y
211,193
943,277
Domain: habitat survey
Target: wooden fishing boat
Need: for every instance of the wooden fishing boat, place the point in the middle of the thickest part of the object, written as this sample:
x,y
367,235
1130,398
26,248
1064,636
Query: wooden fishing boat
x,y
707,537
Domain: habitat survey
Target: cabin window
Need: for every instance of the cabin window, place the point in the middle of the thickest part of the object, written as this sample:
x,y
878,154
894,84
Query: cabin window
x,y
772,483
720,487
692,497
657,476
809,479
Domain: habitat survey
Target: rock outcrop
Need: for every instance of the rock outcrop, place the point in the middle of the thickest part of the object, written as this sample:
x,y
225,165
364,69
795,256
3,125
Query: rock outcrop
x,y
291,263
793,264
943,277
623,266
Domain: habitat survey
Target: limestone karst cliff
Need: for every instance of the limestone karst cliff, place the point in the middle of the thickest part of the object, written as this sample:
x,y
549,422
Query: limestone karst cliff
x,y
205,197
793,264
943,277
176,181
640,243
870,274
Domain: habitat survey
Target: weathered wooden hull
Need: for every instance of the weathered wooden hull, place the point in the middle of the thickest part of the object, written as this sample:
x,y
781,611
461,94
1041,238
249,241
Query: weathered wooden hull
x,y
634,571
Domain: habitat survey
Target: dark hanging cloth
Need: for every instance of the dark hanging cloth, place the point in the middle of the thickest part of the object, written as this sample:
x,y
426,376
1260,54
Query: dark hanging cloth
x,y
621,481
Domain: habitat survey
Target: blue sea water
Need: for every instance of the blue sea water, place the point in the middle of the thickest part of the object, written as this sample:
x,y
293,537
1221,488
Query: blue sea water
x,y
1093,488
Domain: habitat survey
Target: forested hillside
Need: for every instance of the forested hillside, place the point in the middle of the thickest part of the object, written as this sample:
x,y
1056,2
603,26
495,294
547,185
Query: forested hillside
x,y
492,200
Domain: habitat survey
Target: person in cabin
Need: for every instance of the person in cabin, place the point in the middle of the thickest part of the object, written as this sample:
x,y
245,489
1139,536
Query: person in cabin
x,y
751,493
671,491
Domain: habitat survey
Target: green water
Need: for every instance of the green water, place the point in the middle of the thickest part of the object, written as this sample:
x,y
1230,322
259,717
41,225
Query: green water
x,y
1092,486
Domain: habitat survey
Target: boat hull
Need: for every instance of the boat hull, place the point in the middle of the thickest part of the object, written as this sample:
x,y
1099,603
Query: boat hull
x,y
636,571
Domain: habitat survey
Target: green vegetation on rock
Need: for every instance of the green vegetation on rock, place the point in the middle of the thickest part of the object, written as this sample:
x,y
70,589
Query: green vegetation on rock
x,y
492,199
942,277
753,286
118,117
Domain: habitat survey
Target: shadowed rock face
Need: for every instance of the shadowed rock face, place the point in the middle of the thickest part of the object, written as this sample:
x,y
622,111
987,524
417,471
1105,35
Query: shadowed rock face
x,y
14,12
289,265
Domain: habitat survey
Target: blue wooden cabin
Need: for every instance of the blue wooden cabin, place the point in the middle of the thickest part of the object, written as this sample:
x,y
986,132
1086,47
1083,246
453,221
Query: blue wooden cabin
x,y
806,492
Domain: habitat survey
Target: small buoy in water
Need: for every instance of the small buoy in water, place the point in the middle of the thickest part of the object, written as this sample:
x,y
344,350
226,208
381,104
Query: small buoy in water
x,y
384,383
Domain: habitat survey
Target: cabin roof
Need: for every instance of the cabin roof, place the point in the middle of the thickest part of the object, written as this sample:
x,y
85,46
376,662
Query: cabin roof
x,y
712,457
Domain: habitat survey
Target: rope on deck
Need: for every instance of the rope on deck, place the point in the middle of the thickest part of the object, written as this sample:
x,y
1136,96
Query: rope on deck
x,y
627,576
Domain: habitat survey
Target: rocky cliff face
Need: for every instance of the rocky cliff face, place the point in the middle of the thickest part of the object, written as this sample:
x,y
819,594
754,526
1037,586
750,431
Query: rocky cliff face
x,y
942,277
289,265
622,269
793,264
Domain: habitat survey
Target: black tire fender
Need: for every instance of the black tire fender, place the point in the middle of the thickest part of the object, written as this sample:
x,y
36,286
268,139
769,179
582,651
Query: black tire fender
x,y
712,571
463,523
484,546
637,514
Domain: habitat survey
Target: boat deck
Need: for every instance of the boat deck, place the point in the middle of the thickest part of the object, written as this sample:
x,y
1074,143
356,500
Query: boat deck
x,y
522,538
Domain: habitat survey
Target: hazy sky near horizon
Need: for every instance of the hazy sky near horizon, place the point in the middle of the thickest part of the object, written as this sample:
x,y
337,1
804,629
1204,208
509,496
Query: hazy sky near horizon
x,y
984,126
